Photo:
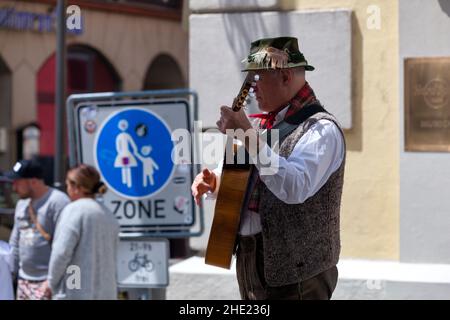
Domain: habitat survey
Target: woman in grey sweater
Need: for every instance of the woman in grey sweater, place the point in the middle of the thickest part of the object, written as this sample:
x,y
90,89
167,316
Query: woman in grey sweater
x,y
83,259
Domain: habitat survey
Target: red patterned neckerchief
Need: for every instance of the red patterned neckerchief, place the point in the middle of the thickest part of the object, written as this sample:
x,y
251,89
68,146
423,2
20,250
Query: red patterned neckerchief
x,y
304,97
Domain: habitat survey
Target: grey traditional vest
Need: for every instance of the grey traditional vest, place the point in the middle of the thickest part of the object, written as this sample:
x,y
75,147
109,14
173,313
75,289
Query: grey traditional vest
x,y
301,240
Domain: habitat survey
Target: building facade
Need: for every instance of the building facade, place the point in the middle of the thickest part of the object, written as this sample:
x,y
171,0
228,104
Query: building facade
x,y
394,208
123,46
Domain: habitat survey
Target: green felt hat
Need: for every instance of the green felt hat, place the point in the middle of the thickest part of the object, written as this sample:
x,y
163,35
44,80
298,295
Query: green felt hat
x,y
275,53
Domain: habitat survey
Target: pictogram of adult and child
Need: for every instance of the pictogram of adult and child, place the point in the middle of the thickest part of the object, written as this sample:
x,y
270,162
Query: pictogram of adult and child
x,y
128,154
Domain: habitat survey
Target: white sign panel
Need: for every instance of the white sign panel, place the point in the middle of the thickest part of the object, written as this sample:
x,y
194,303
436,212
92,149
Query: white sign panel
x,y
131,146
143,263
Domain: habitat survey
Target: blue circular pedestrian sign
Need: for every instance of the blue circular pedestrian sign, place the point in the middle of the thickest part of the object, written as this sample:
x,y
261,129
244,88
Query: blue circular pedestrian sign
x,y
132,151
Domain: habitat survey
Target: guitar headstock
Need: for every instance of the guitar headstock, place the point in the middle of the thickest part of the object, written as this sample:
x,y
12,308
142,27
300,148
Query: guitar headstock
x,y
247,90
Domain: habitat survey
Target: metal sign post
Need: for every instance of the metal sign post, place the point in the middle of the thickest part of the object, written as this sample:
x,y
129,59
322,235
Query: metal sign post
x,y
60,94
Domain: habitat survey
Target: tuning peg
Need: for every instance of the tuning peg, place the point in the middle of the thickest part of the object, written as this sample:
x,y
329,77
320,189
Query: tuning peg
x,y
256,77
251,90
252,94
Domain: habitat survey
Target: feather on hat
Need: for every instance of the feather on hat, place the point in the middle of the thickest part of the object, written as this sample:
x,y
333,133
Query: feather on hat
x,y
275,53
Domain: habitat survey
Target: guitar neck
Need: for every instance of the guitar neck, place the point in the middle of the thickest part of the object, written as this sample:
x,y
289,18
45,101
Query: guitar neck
x,y
241,98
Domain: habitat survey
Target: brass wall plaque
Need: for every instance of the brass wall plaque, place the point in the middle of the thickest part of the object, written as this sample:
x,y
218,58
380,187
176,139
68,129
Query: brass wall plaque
x,y
427,104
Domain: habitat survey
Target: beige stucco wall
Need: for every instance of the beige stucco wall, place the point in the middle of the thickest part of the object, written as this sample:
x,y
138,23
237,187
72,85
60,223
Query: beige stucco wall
x,y
370,212
129,42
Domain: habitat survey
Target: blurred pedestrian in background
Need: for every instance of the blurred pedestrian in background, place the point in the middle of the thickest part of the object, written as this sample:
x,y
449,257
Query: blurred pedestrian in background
x,y
36,215
83,260
6,269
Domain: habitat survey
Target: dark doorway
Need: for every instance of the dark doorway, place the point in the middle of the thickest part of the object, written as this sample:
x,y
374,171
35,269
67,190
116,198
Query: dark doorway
x,y
163,73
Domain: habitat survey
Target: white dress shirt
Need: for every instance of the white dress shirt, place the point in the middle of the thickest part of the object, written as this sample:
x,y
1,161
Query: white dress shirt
x,y
318,153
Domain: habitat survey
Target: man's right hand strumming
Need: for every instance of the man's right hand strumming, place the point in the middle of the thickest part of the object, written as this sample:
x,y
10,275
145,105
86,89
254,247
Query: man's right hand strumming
x,y
204,182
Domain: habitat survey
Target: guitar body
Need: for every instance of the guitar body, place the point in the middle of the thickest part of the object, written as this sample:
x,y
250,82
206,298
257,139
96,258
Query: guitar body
x,y
230,199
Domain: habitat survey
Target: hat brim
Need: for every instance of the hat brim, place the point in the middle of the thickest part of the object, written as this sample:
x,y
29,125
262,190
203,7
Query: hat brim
x,y
10,176
253,66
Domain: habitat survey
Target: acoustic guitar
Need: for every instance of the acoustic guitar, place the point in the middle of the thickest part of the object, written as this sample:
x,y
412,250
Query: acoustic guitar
x,y
231,195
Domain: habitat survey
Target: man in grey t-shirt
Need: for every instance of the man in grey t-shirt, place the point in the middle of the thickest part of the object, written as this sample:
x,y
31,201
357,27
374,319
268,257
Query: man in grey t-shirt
x,y
35,220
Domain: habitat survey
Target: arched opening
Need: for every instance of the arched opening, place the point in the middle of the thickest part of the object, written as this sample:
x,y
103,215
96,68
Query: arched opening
x,y
164,73
87,71
5,116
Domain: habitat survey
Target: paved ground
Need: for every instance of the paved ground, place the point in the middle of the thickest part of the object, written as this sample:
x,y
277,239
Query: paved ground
x,y
192,279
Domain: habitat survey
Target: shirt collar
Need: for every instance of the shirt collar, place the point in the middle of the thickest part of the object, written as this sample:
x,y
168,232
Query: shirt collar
x,y
280,115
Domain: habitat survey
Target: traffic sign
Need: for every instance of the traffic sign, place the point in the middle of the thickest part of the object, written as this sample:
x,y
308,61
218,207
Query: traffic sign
x,y
133,149
128,138
143,263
